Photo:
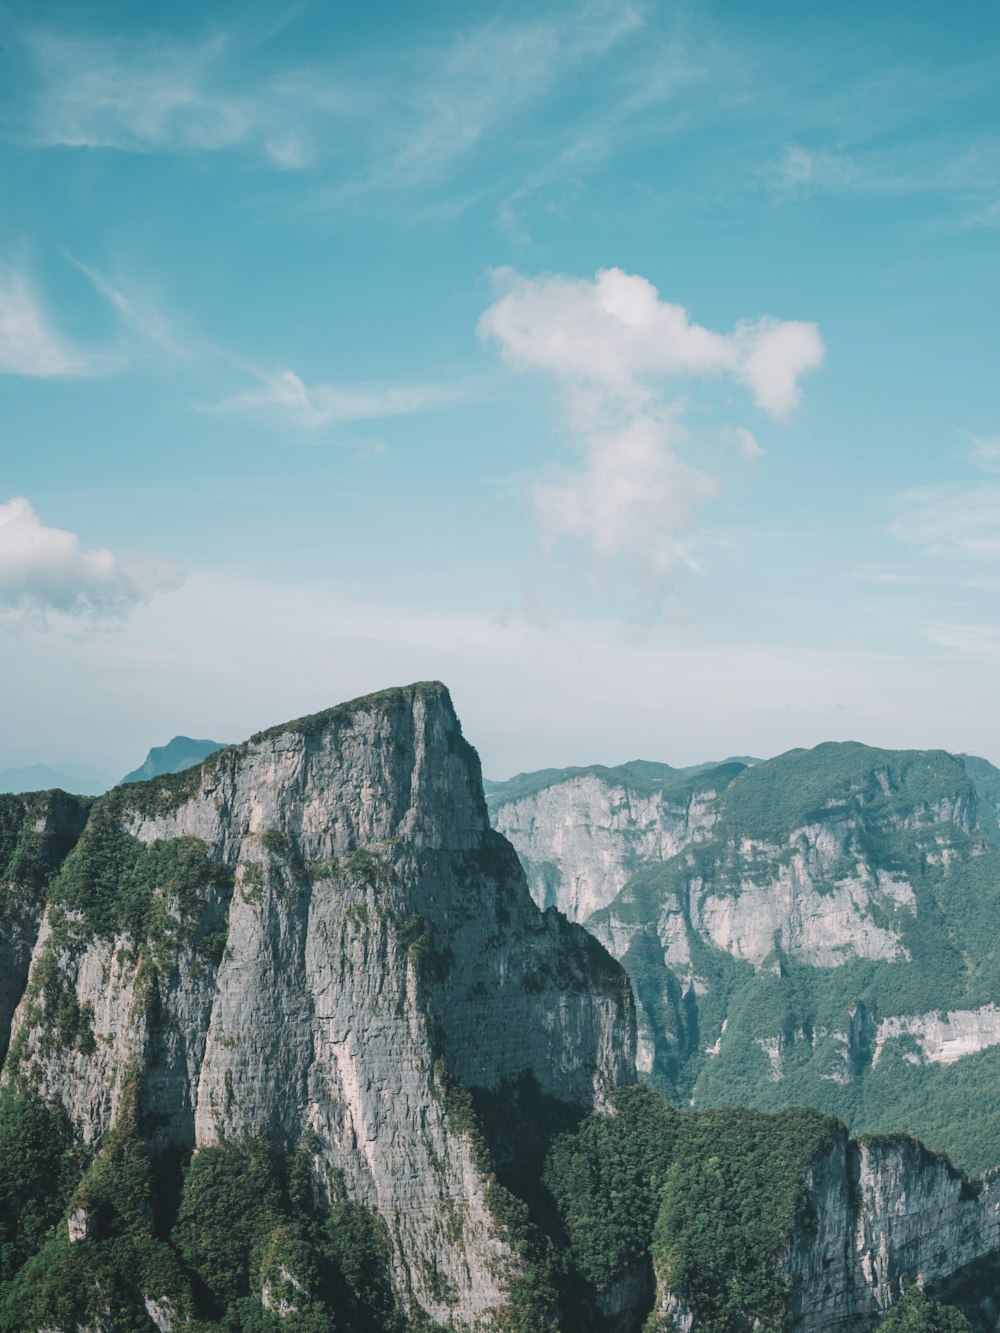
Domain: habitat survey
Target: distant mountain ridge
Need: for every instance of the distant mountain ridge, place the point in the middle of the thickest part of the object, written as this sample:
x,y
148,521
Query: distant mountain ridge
x,y
174,757
816,929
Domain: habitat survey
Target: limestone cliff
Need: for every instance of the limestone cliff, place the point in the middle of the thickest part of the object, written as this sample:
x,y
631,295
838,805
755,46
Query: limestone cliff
x,y
795,930
312,937
871,1218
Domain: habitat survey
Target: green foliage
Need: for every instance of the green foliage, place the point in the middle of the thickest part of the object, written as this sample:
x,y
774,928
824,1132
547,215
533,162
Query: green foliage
x,y
605,1179
731,1199
118,884
248,1222
914,1313
907,817
37,831
836,780
639,775
230,1203
110,1271
39,1166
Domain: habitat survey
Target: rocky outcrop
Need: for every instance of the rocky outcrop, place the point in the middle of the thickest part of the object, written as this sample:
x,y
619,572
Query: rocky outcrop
x,y
36,833
880,1215
333,939
940,1038
743,897
580,839
874,1218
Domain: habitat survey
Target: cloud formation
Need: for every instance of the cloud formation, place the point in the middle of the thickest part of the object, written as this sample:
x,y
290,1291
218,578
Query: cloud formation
x,y
153,94
286,395
952,519
615,349
29,345
44,571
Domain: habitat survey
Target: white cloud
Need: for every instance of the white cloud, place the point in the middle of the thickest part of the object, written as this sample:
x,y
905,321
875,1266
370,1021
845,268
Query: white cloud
x,y
29,345
614,332
744,441
986,451
154,94
286,395
980,641
951,520
491,73
44,571
613,348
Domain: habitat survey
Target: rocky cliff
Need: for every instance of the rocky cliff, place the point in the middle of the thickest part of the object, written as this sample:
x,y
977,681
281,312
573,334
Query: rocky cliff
x,y
873,1219
812,929
315,938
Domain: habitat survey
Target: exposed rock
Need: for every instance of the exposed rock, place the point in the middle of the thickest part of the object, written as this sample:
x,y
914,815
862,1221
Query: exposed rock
x,y
580,840
906,1216
745,901
941,1038
79,1224
379,939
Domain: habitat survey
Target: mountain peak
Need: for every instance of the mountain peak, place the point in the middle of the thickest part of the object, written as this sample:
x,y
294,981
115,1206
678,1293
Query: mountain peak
x,y
178,754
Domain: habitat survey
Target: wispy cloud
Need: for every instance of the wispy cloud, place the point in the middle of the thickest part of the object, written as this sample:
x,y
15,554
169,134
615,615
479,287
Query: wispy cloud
x,y
29,343
44,572
155,94
31,346
408,123
986,451
286,395
952,520
615,350
928,167
982,641
488,77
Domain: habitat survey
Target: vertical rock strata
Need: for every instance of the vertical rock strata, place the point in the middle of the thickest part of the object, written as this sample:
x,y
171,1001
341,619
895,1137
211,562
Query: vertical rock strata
x,y
878,1216
881,1214
358,938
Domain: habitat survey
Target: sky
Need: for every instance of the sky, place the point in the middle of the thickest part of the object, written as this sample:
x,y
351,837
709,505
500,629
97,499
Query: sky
x,y
631,367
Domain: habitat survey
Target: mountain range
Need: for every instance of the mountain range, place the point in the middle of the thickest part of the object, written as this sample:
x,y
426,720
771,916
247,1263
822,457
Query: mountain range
x,y
814,929
180,753
288,1047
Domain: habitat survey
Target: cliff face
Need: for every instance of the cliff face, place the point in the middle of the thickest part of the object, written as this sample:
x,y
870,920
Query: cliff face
x,y
312,937
812,929
880,1216
36,833
872,1219
580,838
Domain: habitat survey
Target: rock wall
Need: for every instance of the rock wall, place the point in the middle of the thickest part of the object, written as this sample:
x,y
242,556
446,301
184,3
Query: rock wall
x,y
881,1215
363,940
582,838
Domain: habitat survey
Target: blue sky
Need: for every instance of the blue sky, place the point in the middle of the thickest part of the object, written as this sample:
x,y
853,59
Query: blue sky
x,y
630,367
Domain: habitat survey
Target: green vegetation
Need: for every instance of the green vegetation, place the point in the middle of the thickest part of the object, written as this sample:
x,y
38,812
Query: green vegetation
x,y
39,1168
37,831
639,775
730,1202
119,885
916,1314
605,1180
924,820
239,1231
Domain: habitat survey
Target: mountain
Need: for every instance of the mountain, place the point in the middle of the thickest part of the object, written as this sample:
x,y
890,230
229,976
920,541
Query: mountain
x,y
174,757
816,929
39,777
287,1047
314,939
